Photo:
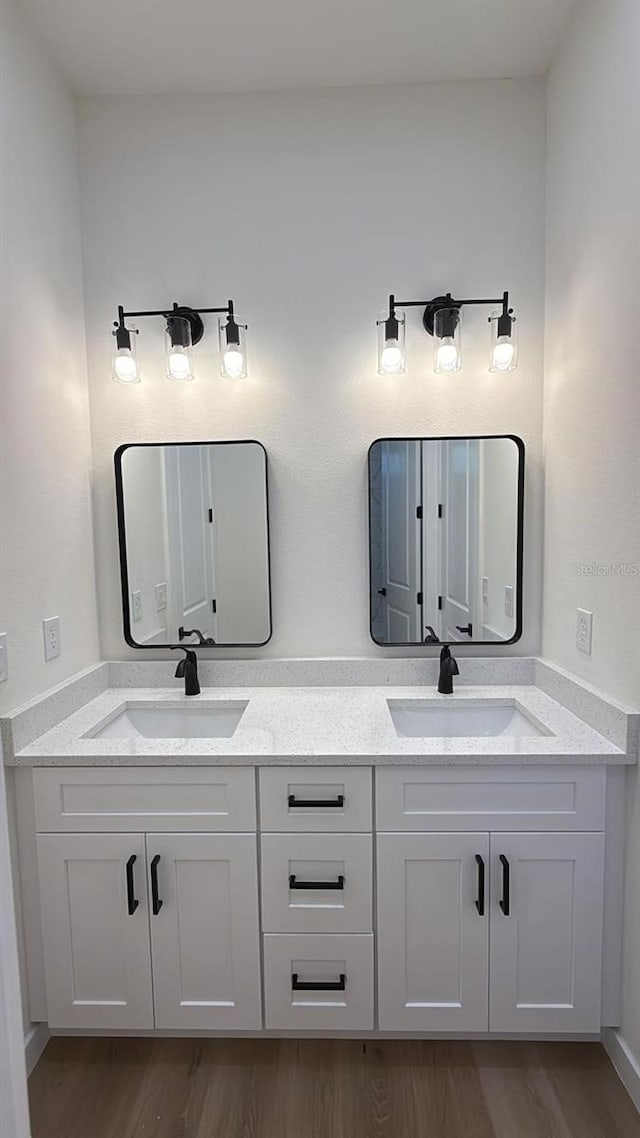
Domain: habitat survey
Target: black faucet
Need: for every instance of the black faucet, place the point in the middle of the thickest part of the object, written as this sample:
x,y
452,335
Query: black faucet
x,y
188,670
207,641
448,669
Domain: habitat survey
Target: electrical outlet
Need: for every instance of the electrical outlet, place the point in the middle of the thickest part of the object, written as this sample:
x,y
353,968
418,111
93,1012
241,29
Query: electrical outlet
x,y
161,597
51,634
136,605
485,590
584,630
508,600
4,659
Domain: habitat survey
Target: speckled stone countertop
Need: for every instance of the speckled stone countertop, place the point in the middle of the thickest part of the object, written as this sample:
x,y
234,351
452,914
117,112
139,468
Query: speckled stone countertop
x,y
322,725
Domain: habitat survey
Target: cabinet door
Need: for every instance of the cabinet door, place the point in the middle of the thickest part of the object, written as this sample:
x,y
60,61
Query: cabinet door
x,y
204,930
546,932
433,932
96,938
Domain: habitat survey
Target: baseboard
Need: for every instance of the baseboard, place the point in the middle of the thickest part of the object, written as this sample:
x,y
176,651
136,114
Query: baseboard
x,y
35,1042
625,1063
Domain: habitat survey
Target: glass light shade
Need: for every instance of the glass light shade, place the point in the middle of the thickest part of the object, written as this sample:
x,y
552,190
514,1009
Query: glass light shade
x,y
124,368
179,356
503,355
391,344
447,343
233,347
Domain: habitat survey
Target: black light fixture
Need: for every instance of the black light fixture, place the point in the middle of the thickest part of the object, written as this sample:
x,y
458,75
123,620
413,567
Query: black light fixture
x,y
442,320
184,329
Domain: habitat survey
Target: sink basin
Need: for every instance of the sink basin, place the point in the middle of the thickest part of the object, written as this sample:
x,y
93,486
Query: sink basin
x,y
213,722
421,718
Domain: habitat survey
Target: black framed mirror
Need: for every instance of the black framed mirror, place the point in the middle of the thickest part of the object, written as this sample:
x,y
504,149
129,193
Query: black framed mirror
x,y
446,525
193,528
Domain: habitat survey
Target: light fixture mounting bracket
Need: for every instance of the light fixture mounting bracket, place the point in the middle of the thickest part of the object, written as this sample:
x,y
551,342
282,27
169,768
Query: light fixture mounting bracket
x,y
434,306
193,317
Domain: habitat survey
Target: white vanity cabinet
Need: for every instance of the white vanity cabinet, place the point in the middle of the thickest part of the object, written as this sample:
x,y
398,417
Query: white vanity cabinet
x,y
400,899
490,930
149,929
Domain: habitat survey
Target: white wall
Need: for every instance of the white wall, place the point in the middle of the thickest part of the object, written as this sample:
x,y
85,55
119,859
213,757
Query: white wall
x,y
308,209
592,393
242,571
146,526
46,545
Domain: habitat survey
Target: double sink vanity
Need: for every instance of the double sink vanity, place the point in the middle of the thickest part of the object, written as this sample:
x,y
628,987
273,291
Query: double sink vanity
x,y
355,854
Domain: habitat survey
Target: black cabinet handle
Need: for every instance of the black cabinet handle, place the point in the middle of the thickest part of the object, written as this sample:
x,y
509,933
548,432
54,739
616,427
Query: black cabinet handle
x,y
132,903
382,592
321,986
156,903
295,884
506,885
481,880
466,628
315,803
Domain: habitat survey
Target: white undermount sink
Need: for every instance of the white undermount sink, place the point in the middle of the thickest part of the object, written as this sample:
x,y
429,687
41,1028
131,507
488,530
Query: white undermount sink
x,y
213,722
435,719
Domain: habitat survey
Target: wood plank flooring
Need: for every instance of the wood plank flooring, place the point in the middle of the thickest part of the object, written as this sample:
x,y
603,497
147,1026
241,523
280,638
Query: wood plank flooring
x,y
206,1088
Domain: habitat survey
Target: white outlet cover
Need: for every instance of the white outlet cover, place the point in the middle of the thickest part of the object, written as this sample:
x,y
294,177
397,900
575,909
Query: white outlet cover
x,y
161,596
51,636
584,630
136,605
485,590
4,658
508,600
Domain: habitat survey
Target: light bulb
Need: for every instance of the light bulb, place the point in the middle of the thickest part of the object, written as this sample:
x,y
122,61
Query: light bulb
x,y
503,352
391,357
125,368
447,354
178,364
233,362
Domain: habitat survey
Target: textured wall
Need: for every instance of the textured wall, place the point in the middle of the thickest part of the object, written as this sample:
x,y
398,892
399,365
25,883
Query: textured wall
x,y
592,394
309,209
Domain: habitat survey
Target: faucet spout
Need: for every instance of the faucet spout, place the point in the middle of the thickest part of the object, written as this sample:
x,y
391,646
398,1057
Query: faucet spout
x,y
187,670
448,669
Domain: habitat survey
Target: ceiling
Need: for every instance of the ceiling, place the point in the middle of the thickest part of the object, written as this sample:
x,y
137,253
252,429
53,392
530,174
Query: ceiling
x,y
182,46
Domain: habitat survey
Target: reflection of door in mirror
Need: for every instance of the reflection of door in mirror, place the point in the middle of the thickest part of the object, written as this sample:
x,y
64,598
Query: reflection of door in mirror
x,y
444,532
190,531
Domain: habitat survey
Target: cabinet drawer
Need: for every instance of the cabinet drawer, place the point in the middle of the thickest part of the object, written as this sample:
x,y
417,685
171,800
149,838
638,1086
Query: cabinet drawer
x,y
341,862
490,798
296,967
137,799
299,799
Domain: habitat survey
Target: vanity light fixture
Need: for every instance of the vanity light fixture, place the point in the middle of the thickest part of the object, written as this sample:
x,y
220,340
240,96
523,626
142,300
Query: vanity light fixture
x,y
442,319
184,329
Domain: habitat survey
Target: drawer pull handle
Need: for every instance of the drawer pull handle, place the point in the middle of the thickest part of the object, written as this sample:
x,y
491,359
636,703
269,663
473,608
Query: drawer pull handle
x,y
317,803
156,903
132,903
320,986
295,884
505,901
481,877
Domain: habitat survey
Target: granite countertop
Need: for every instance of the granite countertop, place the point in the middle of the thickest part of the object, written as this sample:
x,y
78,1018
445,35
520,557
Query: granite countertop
x,y
323,725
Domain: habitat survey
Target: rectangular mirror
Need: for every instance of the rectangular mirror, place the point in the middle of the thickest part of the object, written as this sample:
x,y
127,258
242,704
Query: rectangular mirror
x,y
445,540
193,525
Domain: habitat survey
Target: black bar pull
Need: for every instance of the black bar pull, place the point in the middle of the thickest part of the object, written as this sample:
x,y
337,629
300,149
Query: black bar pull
x,y
313,803
156,903
506,885
321,985
132,903
295,884
481,885
467,629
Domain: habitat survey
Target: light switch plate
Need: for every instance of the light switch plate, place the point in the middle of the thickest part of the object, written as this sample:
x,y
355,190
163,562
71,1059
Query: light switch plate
x,y
136,605
584,630
485,590
51,636
161,597
508,600
4,658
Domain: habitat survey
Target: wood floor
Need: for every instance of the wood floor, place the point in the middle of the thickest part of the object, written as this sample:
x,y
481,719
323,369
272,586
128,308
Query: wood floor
x,y
185,1088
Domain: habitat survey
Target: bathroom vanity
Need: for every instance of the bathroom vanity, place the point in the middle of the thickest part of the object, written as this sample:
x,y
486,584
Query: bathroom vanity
x,y
358,859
